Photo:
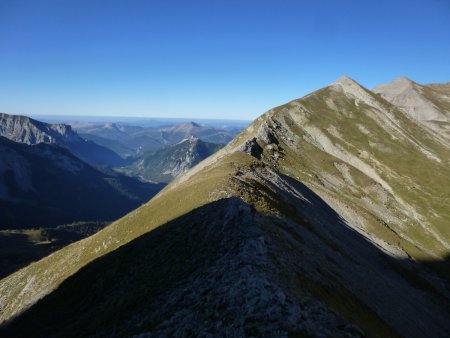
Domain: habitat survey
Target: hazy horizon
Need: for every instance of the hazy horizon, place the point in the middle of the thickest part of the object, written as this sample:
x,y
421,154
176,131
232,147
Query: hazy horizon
x,y
78,121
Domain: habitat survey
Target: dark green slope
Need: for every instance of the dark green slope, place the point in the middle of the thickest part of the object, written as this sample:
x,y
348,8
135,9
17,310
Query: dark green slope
x,y
93,153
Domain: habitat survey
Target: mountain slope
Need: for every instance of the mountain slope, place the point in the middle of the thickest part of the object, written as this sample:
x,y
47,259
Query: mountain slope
x,y
45,185
116,146
29,131
318,219
209,134
429,104
167,163
423,102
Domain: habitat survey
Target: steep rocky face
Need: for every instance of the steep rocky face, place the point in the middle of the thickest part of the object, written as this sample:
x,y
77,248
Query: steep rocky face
x,y
422,102
45,185
320,219
29,131
165,164
26,130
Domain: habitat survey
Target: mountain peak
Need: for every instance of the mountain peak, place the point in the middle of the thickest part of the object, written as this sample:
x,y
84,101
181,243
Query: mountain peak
x,y
185,126
346,81
416,100
24,129
403,79
399,83
350,87
402,82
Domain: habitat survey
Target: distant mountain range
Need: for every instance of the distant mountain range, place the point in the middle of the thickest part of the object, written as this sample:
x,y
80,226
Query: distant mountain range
x,y
45,185
121,145
129,140
328,216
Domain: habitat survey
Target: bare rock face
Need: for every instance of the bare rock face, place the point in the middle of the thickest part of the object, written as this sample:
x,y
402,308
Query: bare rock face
x,y
26,130
428,104
422,102
252,147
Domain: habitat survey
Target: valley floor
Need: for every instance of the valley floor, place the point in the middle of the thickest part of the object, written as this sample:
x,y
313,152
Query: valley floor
x,y
18,248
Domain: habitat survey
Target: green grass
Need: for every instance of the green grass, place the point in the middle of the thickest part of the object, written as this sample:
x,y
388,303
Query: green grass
x,y
419,181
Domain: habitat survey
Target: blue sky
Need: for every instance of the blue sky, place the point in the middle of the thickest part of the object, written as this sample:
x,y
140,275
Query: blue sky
x,y
208,59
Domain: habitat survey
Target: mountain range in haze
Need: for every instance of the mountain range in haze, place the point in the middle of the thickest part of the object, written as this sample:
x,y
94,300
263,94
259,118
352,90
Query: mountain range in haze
x,y
130,140
326,216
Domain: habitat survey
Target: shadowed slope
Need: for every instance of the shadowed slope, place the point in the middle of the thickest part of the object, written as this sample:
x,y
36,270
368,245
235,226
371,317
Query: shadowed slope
x,y
226,268
46,185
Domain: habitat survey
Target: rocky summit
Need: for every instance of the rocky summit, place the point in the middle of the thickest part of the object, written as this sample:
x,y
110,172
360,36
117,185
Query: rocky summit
x,y
429,104
326,217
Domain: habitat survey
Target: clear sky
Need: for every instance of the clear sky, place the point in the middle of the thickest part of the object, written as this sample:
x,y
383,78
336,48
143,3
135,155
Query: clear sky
x,y
208,59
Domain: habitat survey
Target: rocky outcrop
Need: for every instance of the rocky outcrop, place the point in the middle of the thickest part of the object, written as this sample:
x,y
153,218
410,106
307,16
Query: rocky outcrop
x,y
412,98
428,104
26,130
